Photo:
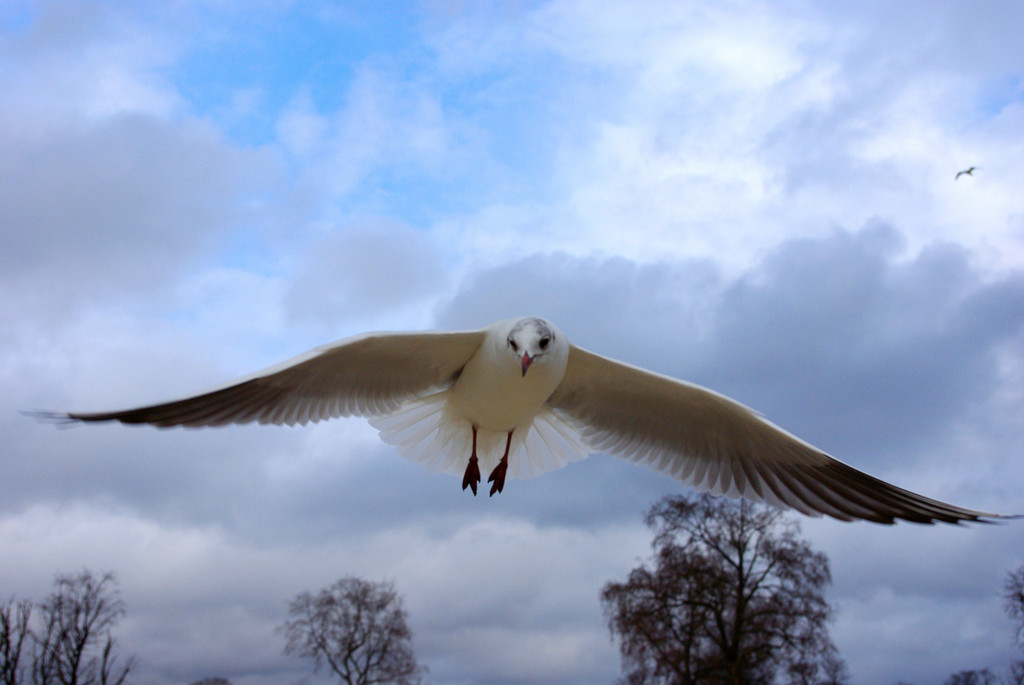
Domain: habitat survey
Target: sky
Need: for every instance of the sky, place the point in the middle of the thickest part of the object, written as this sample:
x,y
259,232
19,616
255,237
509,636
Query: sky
x,y
755,196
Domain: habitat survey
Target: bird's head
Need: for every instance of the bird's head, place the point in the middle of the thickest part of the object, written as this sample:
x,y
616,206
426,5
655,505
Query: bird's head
x,y
532,340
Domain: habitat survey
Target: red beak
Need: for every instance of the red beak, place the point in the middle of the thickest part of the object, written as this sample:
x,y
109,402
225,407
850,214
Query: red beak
x,y
527,360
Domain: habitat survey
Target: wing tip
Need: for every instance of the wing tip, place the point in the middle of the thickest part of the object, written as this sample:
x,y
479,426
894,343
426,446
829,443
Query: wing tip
x,y
58,418
961,518
994,519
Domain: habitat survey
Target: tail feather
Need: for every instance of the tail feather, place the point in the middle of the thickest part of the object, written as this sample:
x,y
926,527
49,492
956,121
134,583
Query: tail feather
x,y
425,431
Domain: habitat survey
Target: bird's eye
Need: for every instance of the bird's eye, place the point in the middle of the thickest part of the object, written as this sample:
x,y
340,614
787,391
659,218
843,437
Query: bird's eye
x,y
515,347
544,342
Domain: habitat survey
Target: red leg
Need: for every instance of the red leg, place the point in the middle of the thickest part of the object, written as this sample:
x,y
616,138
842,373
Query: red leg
x,y
498,474
472,476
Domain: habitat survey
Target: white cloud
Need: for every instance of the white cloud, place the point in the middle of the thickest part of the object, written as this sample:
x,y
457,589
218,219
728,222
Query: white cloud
x,y
301,128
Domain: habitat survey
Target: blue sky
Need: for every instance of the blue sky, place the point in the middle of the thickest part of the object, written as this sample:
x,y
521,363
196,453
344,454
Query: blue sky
x,y
755,196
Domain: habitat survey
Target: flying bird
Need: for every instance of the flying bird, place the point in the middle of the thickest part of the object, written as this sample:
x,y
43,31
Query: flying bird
x,y
969,172
455,401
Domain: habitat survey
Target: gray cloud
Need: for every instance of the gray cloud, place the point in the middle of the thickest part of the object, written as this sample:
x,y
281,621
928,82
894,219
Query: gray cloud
x,y
888,351
121,206
364,271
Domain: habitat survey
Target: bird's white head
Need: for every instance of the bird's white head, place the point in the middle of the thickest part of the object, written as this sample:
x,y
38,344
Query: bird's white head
x,y
533,340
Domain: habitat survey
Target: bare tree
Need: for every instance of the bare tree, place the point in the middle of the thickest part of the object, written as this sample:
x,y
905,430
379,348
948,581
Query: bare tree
x,y
75,645
357,628
14,632
1013,602
72,643
982,677
732,595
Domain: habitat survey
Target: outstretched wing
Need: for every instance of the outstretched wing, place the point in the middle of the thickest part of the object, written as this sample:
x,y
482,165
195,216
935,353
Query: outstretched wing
x,y
367,375
711,442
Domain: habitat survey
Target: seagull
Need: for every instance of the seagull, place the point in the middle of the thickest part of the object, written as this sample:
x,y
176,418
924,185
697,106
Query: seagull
x,y
455,401
969,172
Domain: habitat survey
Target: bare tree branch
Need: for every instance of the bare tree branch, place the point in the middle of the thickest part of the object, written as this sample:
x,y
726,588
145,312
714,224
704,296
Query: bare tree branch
x,y
1013,602
14,632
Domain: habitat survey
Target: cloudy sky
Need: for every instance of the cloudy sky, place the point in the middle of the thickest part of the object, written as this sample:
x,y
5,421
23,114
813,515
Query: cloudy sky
x,y
755,196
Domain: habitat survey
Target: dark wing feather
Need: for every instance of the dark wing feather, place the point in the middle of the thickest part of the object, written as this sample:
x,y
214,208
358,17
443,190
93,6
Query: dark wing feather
x,y
714,443
367,375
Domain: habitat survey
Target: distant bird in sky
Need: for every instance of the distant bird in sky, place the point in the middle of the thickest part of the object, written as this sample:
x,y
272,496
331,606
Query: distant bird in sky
x,y
518,388
969,172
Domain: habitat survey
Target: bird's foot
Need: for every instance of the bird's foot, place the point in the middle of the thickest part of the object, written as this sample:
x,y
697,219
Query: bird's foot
x,y
472,476
497,476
